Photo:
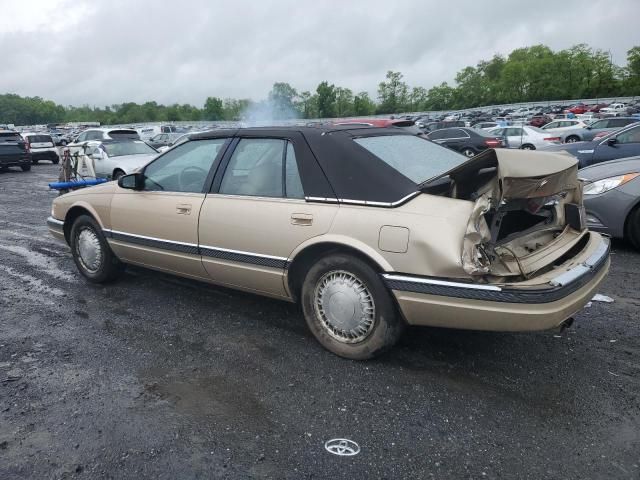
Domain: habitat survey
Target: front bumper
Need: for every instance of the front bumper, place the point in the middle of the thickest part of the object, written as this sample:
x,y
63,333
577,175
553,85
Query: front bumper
x,y
45,155
508,307
56,228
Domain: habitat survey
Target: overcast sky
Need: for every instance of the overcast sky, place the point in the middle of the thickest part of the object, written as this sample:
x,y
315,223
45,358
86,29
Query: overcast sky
x,y
101,52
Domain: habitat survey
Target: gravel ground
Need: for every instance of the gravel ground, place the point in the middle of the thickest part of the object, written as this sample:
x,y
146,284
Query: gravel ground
x,y
160,377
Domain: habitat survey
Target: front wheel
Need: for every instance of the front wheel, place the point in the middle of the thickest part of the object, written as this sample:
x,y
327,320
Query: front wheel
x,y
633,228
25,168
528,147
117,174
572,139
349,309
91,252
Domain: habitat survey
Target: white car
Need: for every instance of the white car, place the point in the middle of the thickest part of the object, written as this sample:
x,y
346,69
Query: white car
x,y
614,108
525,137
42,147
115,158
558,126
99,134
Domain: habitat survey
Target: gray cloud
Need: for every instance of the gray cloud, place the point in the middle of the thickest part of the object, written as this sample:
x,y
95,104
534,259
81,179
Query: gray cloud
x,y
109,51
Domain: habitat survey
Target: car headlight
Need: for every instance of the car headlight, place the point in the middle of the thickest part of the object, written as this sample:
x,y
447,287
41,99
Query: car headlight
x,y
606,184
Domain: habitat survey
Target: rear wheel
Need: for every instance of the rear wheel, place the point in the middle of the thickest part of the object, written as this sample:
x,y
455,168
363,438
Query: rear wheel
x,y
572,139
527,146
468,152
91,252
632,230
25,168
348,308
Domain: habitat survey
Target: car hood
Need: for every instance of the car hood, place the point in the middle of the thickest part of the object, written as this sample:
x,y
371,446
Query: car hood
x,y
610,169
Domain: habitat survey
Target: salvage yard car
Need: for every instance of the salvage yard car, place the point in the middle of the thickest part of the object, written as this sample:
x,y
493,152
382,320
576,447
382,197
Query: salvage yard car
x,y
14,151
115,158
42,147
367,228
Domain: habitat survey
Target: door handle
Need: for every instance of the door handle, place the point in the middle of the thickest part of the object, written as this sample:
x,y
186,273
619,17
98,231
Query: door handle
x,y
304,219
183,209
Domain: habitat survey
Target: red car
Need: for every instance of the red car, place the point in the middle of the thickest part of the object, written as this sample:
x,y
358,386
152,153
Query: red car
x,y
578,108
539,120
596,108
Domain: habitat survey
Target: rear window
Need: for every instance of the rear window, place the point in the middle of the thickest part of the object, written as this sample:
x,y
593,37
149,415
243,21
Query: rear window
x,y
10,137
40,139
124,135
414,157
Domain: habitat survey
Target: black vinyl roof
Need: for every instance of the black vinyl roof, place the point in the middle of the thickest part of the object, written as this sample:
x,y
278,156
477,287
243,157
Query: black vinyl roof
x,y
332,165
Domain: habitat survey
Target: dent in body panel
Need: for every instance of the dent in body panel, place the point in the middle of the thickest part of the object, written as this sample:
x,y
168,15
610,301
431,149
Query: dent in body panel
x,y
437,226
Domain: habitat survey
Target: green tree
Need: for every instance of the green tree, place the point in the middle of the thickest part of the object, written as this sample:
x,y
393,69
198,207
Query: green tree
x,y
393,93
213,109
363,105
326,100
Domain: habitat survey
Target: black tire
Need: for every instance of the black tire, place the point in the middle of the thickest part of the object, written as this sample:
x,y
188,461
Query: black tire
x,y
468,152
34,162
117,174
25,168
63,143
632,228
56,161
385,325
572,139
527,146
107,266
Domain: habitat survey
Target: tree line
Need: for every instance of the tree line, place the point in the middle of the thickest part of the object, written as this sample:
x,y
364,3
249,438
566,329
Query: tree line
x,y
528,74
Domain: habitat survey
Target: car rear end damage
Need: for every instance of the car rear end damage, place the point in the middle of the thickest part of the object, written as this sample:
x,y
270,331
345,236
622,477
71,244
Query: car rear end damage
x,y
538,304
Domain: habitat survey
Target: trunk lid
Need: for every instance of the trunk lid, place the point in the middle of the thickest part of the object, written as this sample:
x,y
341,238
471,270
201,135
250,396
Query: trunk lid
x,y
527,211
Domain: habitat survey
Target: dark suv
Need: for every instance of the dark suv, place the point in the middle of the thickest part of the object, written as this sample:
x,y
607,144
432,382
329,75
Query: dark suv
x,y
14,151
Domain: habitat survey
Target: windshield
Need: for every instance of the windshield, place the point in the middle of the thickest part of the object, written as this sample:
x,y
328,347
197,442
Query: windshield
x,y
414,157
127,148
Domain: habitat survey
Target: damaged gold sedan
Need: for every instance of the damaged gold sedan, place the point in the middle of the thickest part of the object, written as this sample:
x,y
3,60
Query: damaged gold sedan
x,y
369,229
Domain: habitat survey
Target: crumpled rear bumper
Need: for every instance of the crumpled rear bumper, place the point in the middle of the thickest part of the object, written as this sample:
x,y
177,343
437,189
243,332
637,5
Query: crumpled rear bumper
x,y
509,307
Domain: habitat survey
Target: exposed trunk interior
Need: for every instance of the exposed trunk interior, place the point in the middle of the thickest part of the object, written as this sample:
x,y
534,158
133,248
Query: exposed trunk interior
x,y
524,219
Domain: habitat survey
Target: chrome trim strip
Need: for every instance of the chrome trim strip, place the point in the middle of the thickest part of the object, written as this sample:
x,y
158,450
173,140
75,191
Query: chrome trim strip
x,y
117,232
433,281
569,276
241,252
55,221
347,201
201,250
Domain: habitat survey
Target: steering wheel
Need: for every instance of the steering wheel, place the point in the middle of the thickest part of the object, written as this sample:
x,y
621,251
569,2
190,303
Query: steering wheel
x,y
183,179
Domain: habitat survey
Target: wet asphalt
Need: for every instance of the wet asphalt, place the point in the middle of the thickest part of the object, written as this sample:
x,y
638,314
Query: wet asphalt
x,y
159,377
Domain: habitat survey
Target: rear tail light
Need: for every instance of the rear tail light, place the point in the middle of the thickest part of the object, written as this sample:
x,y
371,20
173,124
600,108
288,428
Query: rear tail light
x,y
493,142
600,135
551,139
27,147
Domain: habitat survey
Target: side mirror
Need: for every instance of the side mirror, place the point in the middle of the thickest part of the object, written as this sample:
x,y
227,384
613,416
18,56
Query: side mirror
x,y
133,181
612,141
588,127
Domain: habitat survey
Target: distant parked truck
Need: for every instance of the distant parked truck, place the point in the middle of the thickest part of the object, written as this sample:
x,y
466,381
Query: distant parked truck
x,y
152,130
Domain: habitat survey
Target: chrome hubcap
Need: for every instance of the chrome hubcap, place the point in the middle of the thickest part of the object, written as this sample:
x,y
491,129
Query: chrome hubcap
x,y
89,250
469,153
345,306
